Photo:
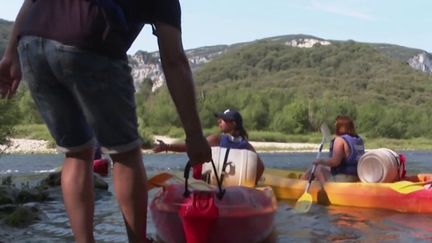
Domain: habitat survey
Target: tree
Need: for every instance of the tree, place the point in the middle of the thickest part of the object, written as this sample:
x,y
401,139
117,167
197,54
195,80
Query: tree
x,y
293,119
255,114
27,108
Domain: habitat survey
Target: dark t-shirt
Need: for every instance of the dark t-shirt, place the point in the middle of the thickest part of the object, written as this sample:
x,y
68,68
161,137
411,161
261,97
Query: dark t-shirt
x,y
107,27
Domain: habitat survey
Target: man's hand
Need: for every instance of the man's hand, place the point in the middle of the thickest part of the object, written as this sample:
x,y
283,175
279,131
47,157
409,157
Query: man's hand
x,y
198,150
10,77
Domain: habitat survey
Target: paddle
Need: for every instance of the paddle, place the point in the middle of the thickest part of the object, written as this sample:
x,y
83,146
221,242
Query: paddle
x,y
406,187
158,180
304,203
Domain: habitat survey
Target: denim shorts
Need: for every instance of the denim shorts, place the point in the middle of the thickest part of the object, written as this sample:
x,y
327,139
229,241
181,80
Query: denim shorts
x,y
81,95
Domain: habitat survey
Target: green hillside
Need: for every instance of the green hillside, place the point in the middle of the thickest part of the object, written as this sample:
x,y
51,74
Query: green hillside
x,y
357,72
5,30
292,90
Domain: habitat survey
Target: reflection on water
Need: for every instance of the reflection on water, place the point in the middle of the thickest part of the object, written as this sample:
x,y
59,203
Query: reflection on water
x,y
347,224
320,224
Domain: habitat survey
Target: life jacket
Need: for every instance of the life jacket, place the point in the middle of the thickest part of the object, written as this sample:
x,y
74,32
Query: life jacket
x,y
349,165
228,141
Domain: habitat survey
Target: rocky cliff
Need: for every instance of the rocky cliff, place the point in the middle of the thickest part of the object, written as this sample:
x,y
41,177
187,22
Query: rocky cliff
x,y
422,62
147,65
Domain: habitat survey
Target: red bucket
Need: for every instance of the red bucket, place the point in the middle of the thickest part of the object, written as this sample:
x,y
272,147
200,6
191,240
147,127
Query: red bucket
x,y
100,166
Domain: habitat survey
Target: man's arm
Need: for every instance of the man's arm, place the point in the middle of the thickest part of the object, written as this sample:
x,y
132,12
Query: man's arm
x,y
10,72
179,80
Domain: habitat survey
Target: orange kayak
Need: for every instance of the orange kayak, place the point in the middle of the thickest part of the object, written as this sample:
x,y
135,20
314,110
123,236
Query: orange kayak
x,y
413,196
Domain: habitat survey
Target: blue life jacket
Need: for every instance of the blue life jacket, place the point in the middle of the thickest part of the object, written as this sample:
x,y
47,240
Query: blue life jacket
x,y
228,141
349,165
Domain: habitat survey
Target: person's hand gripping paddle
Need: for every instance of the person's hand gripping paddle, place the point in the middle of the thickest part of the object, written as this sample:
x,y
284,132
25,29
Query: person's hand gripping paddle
x,y
304,203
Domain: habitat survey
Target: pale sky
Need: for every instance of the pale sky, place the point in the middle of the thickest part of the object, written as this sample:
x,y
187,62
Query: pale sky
x,y
213,22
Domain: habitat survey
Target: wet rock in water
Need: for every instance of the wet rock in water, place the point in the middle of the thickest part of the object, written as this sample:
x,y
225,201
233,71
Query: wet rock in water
x,y
22,216
32,195
7,194
12,212
11,195
7,209
54,179
99,182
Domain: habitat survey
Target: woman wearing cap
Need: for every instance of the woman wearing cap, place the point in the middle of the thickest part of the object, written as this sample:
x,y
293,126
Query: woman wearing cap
x,y
345,151
233,135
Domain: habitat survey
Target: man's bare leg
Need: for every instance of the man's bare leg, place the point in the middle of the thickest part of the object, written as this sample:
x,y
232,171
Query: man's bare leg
x,y
130,181
78,193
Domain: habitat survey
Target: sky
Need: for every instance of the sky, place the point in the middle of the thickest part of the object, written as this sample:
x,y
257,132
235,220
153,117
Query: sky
x,y
215,22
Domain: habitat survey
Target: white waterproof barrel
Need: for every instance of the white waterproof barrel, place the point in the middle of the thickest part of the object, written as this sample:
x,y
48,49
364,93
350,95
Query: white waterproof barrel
x,y
379,165
240,169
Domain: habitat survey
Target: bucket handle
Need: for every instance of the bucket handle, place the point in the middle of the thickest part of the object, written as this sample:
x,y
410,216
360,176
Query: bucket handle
x,y
188,166
401,165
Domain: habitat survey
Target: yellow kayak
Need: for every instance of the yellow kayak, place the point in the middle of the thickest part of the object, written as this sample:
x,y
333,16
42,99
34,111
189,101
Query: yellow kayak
x,y
414,196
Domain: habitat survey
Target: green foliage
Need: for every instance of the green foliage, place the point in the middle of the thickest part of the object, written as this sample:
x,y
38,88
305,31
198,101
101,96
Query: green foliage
x,y
295,89
419,143
7,181
8,119
5,30
266,136
27,107
32,131
21,217
147,138
293,119
158,111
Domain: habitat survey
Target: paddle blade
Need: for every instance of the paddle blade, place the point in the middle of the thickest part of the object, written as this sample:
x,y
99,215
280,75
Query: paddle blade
x,y
406,187
325,131
158,180
304,203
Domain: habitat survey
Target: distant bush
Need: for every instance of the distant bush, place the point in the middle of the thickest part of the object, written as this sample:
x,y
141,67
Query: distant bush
x,y
8,118
33,131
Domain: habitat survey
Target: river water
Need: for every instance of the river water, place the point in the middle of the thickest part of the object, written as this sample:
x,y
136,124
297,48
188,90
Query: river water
x,y
321,224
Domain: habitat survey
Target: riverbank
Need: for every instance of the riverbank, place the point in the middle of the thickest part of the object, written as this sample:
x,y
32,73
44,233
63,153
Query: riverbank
x,y
34,146
27,146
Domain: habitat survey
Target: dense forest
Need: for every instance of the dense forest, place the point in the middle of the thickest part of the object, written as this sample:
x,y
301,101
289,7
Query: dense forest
x,y
289,90
293,90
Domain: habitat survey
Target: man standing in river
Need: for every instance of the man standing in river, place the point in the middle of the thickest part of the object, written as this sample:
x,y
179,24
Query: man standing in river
x,y
72,54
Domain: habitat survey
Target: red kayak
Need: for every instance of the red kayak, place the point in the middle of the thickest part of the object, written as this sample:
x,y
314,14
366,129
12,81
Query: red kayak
x,y
101,166
242,214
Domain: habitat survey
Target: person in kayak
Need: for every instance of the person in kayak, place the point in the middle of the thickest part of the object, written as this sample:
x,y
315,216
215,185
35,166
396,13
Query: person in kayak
x,y
345,151
233,135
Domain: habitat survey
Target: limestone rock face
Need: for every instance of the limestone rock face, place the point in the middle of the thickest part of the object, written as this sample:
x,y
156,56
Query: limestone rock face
x,y
307,43
146,65
422,62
